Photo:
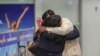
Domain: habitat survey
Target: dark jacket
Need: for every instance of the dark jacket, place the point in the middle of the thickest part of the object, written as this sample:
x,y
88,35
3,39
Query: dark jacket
x,y
48,42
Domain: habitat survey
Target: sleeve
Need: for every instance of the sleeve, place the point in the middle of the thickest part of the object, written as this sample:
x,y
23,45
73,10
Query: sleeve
x,y
65,28
73,34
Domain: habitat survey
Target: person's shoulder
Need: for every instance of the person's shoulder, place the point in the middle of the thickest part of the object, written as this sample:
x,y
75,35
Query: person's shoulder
x,y
66,19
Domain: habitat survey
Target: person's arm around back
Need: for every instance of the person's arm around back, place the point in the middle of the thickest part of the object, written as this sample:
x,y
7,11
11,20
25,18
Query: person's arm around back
x,y
65,28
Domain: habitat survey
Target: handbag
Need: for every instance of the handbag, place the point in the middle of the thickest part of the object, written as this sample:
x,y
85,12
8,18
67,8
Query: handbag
x,y
34,46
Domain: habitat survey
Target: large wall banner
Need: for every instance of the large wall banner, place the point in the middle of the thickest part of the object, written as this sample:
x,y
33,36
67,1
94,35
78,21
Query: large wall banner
x,y
16,28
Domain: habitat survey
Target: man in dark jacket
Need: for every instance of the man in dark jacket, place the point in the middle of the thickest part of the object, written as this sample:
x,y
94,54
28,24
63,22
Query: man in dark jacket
x,y
49,45
52,44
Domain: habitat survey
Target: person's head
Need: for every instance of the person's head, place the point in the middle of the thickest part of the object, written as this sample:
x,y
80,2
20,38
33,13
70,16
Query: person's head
x,y
47,14
13,25
52,21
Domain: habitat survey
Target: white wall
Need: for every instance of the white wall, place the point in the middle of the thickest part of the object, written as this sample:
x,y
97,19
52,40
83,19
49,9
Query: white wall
x,y
65,8
90,28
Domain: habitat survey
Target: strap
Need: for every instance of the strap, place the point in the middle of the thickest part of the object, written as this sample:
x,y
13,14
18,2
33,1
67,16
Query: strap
x,y
38,35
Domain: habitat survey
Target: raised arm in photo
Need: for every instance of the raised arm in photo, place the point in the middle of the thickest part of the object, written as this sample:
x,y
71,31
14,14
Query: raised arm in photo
x,y
20,17
7,20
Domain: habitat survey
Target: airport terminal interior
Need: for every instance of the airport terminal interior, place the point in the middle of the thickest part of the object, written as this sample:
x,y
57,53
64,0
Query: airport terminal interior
x,y
20,19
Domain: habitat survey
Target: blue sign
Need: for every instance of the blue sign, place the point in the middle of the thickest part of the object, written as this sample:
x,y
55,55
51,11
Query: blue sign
x,y
16,27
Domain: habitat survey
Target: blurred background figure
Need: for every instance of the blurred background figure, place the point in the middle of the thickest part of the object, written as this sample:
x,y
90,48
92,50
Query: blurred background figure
x,y
12,26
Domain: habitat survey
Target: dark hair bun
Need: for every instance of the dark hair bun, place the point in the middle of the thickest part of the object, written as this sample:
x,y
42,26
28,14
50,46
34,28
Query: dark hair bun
x,y
46,13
